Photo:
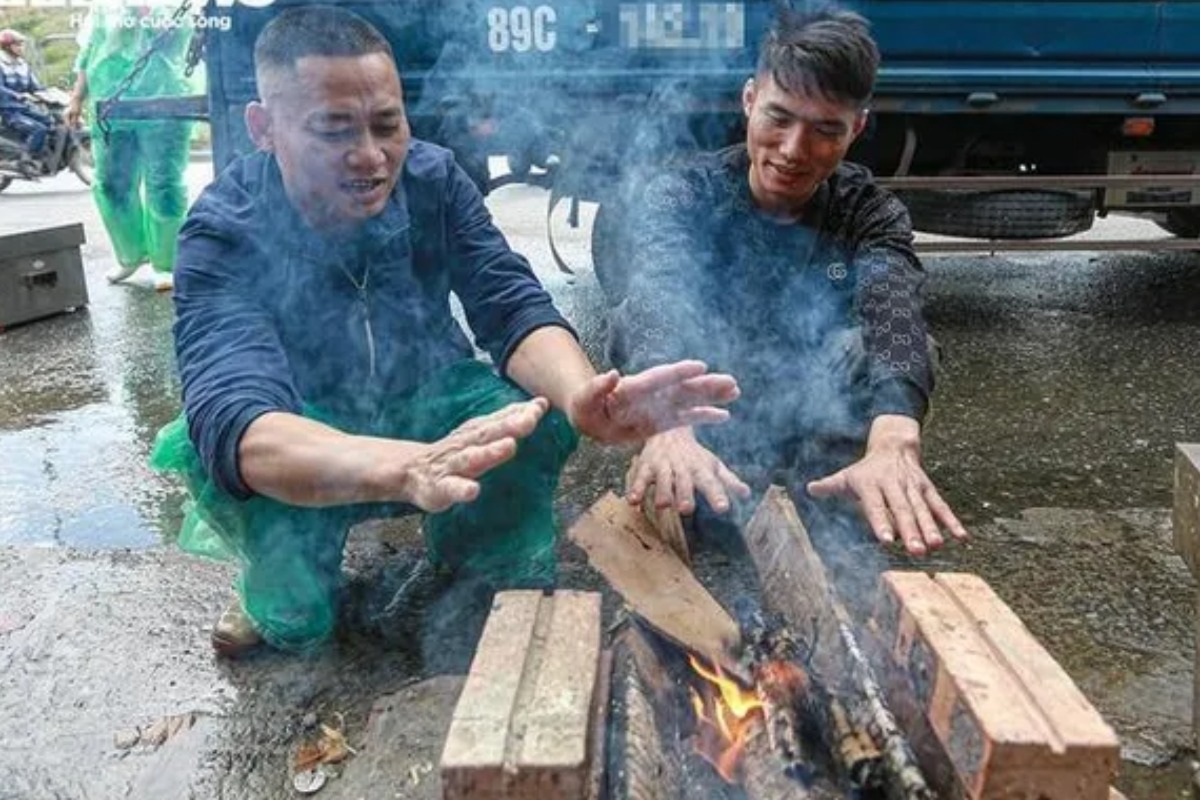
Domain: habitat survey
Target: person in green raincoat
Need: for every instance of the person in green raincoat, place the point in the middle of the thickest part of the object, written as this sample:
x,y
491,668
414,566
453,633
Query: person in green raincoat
x,y
139,186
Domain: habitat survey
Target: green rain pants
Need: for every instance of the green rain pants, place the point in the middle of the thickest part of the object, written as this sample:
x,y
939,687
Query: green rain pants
x,y
140,190
291,556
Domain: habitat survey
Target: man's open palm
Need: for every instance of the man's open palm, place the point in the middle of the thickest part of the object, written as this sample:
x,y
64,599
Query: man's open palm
x,y
613,408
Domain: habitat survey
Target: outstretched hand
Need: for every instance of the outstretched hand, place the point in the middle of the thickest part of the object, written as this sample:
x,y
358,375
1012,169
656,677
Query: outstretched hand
x,y
895,494
612,408
678,467
445,473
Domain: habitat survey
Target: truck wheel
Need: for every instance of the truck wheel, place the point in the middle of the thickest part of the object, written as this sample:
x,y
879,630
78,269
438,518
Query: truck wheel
x,y
1015,214
1183,222
608,252
4,182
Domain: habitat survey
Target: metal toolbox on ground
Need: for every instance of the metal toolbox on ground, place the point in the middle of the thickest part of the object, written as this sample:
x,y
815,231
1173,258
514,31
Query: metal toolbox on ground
x,y
41,274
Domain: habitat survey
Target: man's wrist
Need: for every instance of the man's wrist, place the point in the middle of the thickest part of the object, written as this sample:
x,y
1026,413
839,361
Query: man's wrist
x,y
683,433
894,431
387,469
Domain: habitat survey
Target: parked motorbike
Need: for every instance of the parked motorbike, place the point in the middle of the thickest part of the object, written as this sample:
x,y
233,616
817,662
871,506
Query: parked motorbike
x,y
66,148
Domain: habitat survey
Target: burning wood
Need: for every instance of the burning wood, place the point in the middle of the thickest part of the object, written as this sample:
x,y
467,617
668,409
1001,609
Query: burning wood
x,y
795,587
905,775
763,777
769,717
751,736
643,764
778,654
775,656
781,687
623,546
855,751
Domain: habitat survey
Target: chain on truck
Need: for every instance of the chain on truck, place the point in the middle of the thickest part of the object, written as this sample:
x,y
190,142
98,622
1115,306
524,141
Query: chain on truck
x,y
1013,123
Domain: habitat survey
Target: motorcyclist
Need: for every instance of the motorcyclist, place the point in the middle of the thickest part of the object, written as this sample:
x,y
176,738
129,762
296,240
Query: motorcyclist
x,y
17,86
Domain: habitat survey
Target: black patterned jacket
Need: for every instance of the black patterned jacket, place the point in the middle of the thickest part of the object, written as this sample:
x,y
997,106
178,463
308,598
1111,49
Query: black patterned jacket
x,y
712,278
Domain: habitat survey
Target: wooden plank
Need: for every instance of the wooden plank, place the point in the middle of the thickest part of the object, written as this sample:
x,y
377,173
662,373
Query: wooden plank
x,y
522,727
1185,520
1185,526
794,583
1076,722
645,722
657,585
478,737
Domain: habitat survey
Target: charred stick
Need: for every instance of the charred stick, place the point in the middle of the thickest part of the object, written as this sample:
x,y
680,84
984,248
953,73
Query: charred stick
x,y
763,777
907,777
856,753
781,685
781,695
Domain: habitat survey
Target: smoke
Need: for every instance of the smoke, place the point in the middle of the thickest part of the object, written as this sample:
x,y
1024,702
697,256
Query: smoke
x,y
613,94
629,92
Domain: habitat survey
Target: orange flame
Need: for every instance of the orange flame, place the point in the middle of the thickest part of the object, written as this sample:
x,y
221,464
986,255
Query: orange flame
x,y
724,711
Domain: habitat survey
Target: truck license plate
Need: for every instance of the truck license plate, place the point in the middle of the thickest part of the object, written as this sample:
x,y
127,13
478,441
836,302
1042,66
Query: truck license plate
x,y
682,26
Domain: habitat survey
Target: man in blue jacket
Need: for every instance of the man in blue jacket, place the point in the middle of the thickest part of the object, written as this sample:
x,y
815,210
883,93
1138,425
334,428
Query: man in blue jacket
x,y
17,82
325,379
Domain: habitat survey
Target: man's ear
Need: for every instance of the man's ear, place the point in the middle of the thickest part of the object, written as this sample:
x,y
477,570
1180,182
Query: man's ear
x,y
258,123
749,92
860,122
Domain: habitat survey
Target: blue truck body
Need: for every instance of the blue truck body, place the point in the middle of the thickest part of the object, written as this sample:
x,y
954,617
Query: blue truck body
x,y
586,88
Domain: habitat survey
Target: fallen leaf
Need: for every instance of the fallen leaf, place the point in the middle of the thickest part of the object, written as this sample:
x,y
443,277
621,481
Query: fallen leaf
x,y
329,747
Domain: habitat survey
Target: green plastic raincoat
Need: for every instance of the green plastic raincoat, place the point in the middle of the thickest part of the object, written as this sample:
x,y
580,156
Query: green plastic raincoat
x,y
138,186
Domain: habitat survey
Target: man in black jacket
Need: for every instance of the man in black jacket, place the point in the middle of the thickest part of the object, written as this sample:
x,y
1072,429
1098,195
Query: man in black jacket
x,y
782,265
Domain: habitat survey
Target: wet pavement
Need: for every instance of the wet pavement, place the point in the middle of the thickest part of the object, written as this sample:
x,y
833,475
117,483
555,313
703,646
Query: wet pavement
x,y
1067,381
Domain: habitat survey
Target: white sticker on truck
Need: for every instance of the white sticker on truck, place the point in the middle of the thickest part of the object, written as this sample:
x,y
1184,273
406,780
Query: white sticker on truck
x,y
521,29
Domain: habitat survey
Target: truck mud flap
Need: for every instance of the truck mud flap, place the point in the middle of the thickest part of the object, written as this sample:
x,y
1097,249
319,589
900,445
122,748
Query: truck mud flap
x,y
1183,222
1019,214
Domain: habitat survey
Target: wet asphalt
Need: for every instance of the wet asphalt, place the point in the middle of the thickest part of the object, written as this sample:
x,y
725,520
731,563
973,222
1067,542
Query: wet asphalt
x,y
1067,380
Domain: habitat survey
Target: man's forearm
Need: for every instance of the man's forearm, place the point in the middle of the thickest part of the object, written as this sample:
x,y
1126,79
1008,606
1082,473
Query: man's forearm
x,y
81,86
305,463
550,363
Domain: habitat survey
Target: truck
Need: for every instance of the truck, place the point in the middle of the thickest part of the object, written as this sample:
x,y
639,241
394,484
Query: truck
x,y
1003,121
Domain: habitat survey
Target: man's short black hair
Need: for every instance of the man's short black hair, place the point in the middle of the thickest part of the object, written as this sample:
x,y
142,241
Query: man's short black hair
x,y
316,31
826,52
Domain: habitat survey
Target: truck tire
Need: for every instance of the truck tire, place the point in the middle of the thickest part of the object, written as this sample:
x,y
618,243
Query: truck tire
x,y
4,182
1183,222
1013,214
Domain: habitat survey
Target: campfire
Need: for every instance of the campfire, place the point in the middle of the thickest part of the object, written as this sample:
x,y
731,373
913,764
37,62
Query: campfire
x,y
677,699
763,706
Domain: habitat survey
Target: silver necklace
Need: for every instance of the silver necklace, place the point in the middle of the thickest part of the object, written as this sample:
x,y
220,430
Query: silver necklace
x,y
361,287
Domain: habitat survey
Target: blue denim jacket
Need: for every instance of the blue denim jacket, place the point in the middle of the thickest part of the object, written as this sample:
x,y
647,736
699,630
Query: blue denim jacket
x,y
273,315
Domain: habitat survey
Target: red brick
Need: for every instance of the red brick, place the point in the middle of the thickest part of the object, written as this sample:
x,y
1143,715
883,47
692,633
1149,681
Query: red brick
x,y
521,728
1008,718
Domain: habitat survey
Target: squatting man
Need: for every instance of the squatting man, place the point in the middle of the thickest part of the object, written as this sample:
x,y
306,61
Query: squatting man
x,y
325,380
